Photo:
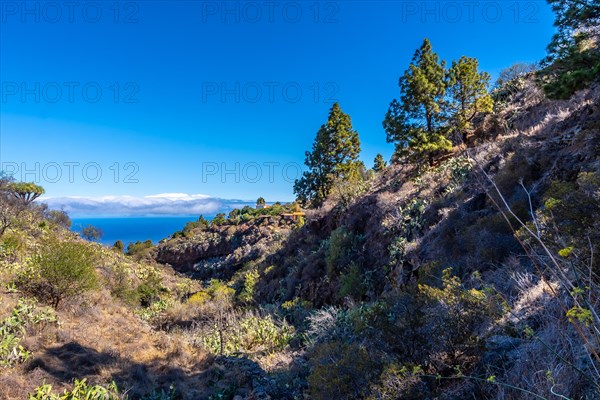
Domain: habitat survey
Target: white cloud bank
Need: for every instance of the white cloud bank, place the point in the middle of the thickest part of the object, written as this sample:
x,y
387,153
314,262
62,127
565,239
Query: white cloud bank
x,y
153,205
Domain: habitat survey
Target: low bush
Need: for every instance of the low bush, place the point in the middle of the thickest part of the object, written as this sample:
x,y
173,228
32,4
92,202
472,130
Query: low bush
x,y
249,334
150,290
60,270
81,391
138,249
250,281
352,283
399,382
13,327
340,371
60,218
340,248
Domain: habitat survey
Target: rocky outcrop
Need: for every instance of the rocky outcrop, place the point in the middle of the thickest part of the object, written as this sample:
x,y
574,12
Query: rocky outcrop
x,y
219,251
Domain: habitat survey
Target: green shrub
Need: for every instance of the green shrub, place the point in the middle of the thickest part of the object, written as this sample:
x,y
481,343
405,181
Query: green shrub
x,y
198,298
219,291
340,248
12,243
250,281
120,285
454,313
296,310
189,227
61,270
81,391
119,246
275,209
60,218
340,371
138,249
219,219
571,74
12,328
153,310
150,290
400,382
249,334
352,283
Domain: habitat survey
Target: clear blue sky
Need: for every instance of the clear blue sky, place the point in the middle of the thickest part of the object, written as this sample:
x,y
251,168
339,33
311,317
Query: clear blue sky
x,y
168,73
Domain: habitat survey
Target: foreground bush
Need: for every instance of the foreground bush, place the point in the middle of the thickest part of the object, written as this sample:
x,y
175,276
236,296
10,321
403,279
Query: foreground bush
x,y
340,371
61,270
81,391
248,334
12,330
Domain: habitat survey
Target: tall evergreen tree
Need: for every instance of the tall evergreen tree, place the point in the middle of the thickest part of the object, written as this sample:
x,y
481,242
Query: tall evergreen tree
x,y
576,20
415,122
379,163
468,94
573,59
334,152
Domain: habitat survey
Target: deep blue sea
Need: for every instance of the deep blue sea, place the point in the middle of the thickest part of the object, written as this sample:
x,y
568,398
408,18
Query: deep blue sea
x,y
132,229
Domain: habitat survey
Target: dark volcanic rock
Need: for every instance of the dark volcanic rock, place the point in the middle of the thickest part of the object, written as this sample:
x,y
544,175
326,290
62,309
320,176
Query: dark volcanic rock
x,y
219,251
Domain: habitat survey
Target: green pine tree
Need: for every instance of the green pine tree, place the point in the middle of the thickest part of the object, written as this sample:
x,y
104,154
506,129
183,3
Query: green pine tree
x,y
379,163
468,94
576,21
335,149
415,122
573,59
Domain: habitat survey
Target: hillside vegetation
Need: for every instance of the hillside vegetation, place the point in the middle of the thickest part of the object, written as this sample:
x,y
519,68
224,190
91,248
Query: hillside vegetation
x,y
466,268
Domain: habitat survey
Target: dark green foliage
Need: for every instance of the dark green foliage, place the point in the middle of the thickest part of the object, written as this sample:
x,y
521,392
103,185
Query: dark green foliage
x,y
219,219
119,246
415,122
276,209
340,249
235,216
61,270
453,314
434,103
189,227
334,150
149,290
468,94
569,75
260,202
576,21
247,210
573,54
138,248
340,371
90,232
429,329
352,283
248,213
379,163
571,217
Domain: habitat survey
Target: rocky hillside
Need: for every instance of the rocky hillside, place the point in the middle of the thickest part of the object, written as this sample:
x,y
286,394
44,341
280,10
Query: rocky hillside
x,y
450,243
476,277
446,215
217,251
